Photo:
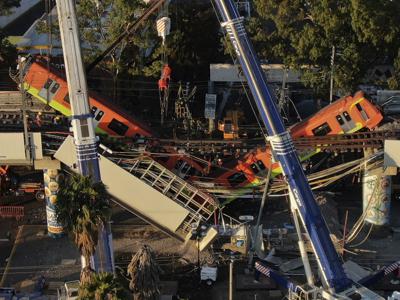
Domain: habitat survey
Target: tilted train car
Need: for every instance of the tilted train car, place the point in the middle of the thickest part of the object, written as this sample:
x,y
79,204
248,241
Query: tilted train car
x,y
346,115
50,87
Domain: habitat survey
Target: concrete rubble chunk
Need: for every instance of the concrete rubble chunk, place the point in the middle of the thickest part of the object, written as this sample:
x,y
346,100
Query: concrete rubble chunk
x,y
292,264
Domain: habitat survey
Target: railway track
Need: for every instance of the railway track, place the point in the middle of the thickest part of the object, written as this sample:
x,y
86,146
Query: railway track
x,y
342,142
332,143
11,102
358,140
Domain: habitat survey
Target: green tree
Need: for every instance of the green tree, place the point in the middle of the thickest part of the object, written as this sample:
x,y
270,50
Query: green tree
x,y
6,5
144,273
103,286
302,33
8,53
194,41
83,206
100,23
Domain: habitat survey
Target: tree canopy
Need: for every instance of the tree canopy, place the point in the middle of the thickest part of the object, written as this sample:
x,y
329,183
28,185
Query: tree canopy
x,y
6,5
144,273
82,207
192,43
301,34
8,52
103,286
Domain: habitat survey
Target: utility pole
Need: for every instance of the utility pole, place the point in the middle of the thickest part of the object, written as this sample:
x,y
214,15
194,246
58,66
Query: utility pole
x,y
231,278
282,98
82,122
24,112
255,235
332,73
210,106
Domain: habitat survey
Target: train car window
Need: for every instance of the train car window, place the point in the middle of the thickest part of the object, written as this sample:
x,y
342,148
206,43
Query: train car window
x,y
183,168
66,98
48,83
118,127
340,119
186,168
257,166
55,88
254,168
93,110
237,179
322,130
99,115
346,116
362,111
178,164
261,165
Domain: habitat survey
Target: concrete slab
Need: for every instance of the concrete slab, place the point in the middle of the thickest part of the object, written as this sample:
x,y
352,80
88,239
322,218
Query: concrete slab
x,y
292,264
354,271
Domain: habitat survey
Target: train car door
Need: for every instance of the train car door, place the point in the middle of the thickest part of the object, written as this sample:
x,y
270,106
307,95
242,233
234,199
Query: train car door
x,y
345,121
49,89
182,169
362,111
258,168
97,115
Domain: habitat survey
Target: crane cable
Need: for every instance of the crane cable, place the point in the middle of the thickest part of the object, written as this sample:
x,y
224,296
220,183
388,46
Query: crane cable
x,y
242,82
360,223
163,29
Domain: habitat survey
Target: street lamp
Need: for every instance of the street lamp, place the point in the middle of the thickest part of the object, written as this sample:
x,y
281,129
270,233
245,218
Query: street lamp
x,y
198,231
333,56
332,72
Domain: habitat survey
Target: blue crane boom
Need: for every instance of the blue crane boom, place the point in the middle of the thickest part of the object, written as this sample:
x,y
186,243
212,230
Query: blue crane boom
x,y
281,142
82,120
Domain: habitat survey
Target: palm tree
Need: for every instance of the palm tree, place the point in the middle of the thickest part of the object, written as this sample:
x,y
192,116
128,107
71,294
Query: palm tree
x,y
83,206
144,273
103,286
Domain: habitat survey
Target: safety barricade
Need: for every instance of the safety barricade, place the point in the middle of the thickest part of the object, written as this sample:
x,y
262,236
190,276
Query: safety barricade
x,y
16,212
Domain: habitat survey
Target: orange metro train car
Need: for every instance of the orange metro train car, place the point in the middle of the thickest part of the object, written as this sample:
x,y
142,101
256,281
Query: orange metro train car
x,y
346,115
50,87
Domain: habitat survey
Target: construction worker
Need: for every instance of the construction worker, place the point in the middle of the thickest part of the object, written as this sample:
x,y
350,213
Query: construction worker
x,y
56,120
38,119
28,121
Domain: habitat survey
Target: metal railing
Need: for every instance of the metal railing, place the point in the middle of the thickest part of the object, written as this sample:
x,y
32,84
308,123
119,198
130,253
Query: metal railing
x,y
201,205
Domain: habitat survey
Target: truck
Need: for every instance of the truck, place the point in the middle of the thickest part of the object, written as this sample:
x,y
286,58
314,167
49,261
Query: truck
x,y
17,188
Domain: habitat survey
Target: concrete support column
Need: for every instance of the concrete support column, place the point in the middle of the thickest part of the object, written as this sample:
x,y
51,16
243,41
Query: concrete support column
x,y
211,122
377,192
52,179
230,295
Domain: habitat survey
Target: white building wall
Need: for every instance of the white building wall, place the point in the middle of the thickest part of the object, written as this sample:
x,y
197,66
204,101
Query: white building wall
x,y
230,73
